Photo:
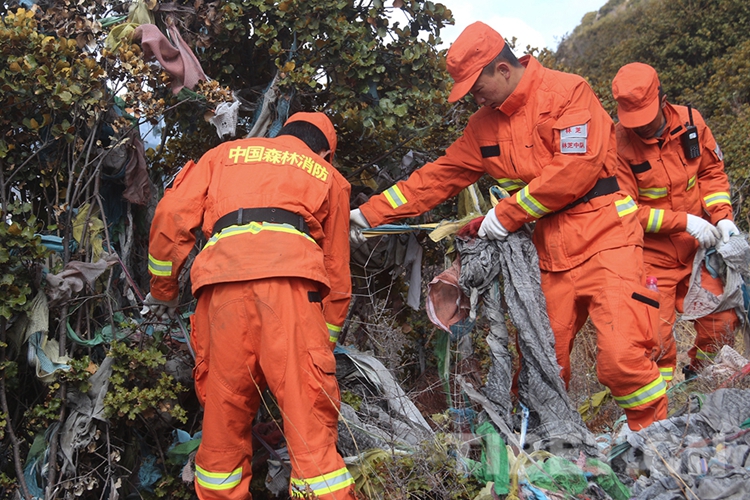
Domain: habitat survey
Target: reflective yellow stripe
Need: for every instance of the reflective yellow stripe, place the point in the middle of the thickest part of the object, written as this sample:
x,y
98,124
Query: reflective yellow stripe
x,y
218,480
530,204
333,332
322,485
716,198
667,374
645,394
691,183
254,228
652,193
159,267
394,196
655,220
511,184
625,206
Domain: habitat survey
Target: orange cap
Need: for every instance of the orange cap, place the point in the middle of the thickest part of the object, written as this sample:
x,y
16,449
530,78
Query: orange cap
x,y
321,121
474,49
636,90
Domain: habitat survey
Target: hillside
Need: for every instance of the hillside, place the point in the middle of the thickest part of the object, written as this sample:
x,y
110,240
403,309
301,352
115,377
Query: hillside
x,y
701,50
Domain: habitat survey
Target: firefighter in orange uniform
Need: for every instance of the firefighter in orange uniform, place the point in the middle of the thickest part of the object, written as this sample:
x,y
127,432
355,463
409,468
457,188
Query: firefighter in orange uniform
x,y
273,288
545,138
683,200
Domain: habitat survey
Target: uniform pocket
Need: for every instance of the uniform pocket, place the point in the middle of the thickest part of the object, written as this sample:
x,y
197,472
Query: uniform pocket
x,y
200,370
323,388
650,299
200,374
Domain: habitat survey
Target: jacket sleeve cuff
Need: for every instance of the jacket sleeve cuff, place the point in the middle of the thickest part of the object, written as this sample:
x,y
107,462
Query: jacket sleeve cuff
x,y
373,219
508,223
163,289
682,225
721,215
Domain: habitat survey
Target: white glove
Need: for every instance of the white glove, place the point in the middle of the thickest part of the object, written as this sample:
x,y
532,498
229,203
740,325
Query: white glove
x,y
703,231
357,223
491,227
727,228
159,308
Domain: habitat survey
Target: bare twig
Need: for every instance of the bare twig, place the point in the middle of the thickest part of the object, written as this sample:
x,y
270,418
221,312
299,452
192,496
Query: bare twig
x,y
9,427
55,438
50,492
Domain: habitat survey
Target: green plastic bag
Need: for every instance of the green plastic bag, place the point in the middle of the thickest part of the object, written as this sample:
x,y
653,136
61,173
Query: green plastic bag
x,y
558,474
606,478
493,466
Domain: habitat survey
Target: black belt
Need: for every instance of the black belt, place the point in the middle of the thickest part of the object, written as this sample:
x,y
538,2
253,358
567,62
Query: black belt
x,y
608,185
275,215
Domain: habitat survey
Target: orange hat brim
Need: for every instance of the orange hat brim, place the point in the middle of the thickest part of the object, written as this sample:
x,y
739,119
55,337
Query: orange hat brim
x,y
462,88
639,117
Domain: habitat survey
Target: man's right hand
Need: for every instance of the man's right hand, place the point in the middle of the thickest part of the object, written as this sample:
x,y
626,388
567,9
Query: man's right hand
x,y
703,231
491,227
357,223
159,308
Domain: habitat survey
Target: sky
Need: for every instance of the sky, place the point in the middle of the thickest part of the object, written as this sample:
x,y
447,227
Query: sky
x,y
539,23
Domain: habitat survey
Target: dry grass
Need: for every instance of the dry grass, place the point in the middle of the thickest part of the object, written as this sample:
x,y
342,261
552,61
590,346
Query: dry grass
x,y
426,389
584,384
427,472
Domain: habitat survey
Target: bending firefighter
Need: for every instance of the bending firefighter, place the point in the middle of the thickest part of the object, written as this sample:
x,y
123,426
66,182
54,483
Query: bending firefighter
x,y
273,289
682,193
547,140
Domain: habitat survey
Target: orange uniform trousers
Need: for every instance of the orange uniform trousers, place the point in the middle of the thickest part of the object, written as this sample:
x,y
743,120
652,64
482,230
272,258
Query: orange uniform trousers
x,y
712,331
609,288
254,334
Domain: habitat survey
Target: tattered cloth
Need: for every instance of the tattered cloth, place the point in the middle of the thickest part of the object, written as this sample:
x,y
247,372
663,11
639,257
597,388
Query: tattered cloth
x,y
386,417
729,260
540,386
79,428
702,453
177,60
137,186
447,306
62,287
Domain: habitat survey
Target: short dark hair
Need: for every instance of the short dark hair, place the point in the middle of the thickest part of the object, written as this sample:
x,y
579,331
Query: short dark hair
x,y
505,55
307,133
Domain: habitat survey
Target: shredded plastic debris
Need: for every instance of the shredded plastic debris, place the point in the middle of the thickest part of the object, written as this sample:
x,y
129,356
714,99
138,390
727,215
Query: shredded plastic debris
x,y
701,454
730,260
385,417
540,386
225,118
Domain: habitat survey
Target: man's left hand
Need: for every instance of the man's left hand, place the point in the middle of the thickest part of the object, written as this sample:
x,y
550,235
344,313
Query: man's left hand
x,y
727,228
491,227
162,309
357,223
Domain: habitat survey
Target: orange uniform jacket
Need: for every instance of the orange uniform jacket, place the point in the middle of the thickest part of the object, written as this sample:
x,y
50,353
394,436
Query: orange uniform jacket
x,y
256,173
548,144
668,186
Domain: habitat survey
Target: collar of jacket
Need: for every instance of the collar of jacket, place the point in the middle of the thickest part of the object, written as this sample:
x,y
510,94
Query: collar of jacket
x,y
526,86
673,123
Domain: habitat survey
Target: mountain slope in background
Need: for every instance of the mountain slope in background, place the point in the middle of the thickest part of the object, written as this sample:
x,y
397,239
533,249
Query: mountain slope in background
x,y
701,49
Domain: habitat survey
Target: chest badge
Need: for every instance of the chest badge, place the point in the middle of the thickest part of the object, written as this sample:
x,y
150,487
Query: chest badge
x,y
573,139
